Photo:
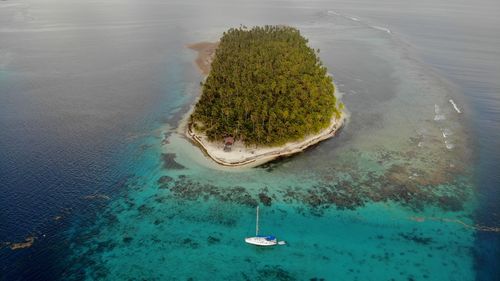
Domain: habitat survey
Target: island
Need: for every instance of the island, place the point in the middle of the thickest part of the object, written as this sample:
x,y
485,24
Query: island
x,y
267,95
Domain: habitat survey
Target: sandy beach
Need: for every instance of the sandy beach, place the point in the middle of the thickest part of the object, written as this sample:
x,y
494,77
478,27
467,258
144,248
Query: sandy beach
x,y
240,154
206,53
251,156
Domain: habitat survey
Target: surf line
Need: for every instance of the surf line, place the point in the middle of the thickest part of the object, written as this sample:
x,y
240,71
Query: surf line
x,y
457,221
455,106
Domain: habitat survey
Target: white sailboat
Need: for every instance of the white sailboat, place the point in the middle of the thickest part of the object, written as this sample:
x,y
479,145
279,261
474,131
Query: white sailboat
x,y
262,240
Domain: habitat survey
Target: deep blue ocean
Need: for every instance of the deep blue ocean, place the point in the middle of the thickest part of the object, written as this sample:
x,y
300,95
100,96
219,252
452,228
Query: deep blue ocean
x,y
94,171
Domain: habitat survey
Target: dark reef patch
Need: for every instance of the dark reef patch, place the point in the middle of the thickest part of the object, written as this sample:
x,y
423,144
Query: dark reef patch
x,y
169,162
166,137
419,239
190,190
212,240
450,203
274,273
321,196
145,210
264,199
127,239
190,243
164,179
343,187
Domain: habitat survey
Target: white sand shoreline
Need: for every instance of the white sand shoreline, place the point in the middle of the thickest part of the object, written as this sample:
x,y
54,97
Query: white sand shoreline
x,y
242,156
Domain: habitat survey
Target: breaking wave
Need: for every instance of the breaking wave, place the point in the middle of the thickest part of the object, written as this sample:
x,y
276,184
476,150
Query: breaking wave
x,y
382,28
455,106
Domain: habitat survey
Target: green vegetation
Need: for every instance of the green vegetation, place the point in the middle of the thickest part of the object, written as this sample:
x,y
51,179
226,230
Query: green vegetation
x,y
266,87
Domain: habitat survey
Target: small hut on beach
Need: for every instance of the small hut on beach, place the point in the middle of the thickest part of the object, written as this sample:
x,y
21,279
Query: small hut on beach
x,y
228,143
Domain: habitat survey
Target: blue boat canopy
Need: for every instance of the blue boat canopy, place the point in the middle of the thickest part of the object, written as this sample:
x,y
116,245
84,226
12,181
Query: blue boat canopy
x,y
268,237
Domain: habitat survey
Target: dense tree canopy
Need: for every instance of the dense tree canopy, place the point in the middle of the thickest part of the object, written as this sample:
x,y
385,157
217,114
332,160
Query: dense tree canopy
x,y
266,87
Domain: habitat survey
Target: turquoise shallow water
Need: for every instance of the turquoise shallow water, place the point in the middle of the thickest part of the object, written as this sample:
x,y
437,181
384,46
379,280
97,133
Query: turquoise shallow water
x,y
203,240
122,195
384,200
153,232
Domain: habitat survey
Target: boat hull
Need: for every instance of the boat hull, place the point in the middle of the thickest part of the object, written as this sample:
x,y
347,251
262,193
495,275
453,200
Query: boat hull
x,y
261,241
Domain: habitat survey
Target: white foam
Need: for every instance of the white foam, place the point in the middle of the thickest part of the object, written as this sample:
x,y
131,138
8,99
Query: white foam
x,y
330,12
413,176
455,106
448,144
446,132
439,117
382,28
354,18
10,5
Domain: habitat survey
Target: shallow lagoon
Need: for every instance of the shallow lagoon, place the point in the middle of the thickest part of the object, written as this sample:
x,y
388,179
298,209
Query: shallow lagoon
x,y
386,199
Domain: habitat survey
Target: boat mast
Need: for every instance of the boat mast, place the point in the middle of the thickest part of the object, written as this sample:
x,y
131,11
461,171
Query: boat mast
x,y
257,223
